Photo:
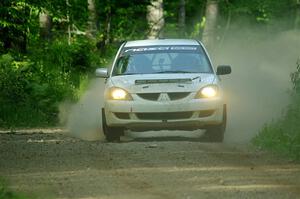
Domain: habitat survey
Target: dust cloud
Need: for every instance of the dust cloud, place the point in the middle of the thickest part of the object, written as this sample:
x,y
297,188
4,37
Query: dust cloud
x,y
83,120
258,88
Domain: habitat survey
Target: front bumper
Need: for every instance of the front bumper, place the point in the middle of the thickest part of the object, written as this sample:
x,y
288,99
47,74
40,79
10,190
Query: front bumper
x,y
172,115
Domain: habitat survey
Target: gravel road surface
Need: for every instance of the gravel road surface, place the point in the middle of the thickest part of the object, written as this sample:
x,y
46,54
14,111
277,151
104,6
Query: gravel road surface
x,y
53,165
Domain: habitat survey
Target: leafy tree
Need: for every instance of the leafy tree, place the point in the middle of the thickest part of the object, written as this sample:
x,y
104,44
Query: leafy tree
x,y
49,48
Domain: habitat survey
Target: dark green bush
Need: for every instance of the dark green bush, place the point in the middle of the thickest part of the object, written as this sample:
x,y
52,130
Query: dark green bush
x,y
32,86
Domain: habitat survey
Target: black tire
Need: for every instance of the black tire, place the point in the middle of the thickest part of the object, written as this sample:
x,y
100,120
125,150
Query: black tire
x,y
216,133
112,134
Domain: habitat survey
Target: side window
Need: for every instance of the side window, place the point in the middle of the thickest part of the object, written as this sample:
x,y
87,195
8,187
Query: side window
x,y
122,65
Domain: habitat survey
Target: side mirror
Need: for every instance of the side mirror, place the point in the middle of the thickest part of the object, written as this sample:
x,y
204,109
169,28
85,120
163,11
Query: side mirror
x,y
223,70
101,72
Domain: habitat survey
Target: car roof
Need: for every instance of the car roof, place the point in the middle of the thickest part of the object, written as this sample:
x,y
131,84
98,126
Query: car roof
x,y
158,42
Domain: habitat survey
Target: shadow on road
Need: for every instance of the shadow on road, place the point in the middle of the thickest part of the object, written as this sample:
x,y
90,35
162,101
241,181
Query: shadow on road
x,y
167,139
164,136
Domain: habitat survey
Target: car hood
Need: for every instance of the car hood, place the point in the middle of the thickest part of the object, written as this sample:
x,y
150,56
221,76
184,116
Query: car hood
x,y
146,83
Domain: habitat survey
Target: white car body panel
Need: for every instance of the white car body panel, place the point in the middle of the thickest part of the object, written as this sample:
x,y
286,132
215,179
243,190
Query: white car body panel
x,y
128,82
163,105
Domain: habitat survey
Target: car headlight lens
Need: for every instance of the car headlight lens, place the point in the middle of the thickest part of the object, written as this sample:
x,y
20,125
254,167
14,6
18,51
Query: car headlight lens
x,y
208,92
118,94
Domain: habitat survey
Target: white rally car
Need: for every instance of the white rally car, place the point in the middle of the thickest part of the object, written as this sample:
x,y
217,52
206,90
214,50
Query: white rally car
x,y
163,84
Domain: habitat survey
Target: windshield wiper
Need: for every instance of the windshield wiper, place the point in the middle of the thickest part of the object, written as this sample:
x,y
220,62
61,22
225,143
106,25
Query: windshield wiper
x,y
175,71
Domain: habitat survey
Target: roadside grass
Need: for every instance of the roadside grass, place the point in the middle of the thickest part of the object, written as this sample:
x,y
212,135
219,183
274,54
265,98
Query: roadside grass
x,y
282,136
5,193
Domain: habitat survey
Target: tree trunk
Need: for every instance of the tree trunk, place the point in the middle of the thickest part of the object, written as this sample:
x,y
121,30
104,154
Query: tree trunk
x,y
155,19
108,25
297,15
181,18
92,20
227,27
69,22
45,25
23,39
209,32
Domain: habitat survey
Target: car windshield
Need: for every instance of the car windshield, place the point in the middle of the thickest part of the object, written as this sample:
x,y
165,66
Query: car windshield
x,y
162,59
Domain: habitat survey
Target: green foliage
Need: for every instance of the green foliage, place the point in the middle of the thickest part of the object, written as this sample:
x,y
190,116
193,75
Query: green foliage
x,y
295,78
5,193
195,10
127,19
39,71
283,136
32,86
258,9
22,91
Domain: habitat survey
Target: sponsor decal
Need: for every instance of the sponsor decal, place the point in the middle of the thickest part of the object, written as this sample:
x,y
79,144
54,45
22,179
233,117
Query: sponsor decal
x,y
162,48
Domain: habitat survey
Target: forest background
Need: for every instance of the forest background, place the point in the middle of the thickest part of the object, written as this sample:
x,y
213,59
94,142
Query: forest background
x,y
50,49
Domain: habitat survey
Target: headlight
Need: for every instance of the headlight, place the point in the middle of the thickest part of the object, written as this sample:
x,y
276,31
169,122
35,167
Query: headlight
x,y
208,92
118,94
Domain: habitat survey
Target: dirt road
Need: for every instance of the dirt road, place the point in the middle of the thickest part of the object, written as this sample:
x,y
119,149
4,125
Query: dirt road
x,y
51,165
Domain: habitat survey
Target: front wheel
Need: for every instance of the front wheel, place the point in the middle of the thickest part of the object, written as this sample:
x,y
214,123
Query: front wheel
x,y
112,134
216,133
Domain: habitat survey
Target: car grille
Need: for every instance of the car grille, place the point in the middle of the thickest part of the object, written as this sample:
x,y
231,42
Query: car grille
x,y
164,116
172,96
178,96
149,96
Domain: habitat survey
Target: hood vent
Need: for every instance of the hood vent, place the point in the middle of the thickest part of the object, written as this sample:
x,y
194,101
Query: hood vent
x,y
159,81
